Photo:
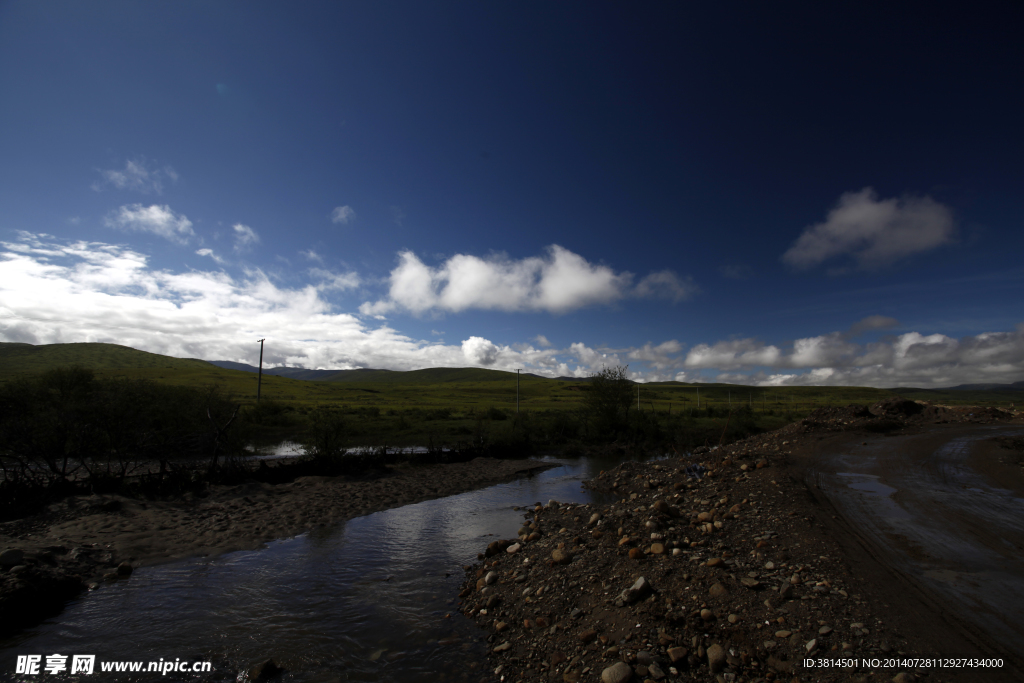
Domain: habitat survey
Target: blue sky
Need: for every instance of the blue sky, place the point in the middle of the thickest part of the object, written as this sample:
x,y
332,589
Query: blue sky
x,y
778,194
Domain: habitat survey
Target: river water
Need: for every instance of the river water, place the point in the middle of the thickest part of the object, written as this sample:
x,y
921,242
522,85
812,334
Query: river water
x,y
371,599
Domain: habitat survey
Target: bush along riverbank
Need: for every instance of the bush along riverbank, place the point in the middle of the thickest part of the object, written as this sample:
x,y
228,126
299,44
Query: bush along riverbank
x,y
720,566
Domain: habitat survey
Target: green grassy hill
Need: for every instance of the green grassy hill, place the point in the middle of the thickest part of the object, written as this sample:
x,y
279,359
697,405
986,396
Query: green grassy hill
x,y
459,389
22,358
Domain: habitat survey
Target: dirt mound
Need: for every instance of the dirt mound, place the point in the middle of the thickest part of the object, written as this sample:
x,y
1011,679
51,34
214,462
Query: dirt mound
x,y
682,579
896,407
852,417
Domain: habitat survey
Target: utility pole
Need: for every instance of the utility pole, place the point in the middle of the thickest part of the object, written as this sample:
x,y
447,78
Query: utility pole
x,y
517,390
259,382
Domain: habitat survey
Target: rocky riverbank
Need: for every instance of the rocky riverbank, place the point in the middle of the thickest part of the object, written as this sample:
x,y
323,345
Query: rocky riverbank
x,y
724,566
86,541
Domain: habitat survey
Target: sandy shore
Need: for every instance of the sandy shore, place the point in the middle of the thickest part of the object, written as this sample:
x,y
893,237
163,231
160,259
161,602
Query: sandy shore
x,y
85,540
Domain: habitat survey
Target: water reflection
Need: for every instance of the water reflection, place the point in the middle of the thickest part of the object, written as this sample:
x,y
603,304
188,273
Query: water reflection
x,y
373,599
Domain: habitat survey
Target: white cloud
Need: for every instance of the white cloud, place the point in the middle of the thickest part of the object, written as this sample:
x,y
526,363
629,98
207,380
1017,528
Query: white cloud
x,y
874,232
660,357
245,237
209,252
343,215
828,349
732,354
557,282
331,280
137,177
542,340
155,219
480,351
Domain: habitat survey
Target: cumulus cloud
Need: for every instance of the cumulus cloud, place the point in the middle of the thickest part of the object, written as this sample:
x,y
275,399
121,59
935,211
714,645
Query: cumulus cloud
x,y
57,291
245,237
542,340
137,177
874,232
343,215
557,282
156,219
660,357
728,355
480,351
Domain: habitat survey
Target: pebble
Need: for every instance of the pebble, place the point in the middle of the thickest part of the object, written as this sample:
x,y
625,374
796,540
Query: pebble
x,y
811,645
717,590
707,615
617,673
503,647
513,549
561,556
491,578
716,658
824,630
639,589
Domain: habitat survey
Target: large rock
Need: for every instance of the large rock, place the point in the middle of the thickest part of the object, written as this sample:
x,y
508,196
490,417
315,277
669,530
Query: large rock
x,y
639,590
617,673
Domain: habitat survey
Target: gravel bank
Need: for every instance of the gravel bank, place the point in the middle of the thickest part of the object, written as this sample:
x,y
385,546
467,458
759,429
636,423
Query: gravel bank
x,y
725,566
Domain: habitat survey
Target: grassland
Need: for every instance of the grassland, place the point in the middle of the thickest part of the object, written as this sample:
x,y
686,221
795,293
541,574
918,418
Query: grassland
x,y
443,405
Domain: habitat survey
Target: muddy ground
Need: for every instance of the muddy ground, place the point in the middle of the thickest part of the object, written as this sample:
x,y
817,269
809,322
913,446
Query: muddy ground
x,y
742,573
84,541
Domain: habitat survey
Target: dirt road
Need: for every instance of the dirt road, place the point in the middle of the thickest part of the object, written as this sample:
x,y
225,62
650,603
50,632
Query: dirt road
x,y
940,511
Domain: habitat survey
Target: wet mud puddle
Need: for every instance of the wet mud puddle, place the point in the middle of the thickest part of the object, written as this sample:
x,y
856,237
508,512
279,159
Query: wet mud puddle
x,y
928,515
373,599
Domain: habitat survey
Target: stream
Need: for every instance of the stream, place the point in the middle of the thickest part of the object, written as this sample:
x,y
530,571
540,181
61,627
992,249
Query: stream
x,y
370,599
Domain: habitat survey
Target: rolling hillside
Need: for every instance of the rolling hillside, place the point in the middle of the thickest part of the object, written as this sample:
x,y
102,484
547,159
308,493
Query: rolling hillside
x,y
28,358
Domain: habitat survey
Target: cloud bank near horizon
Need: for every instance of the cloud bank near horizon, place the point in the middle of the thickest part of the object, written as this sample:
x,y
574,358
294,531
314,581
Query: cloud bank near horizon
x,y
59,291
